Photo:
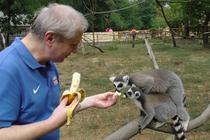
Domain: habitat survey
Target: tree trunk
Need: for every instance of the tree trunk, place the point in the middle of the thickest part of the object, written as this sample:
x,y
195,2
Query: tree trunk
x,y
93,22
186,28
131,129
9,26
205,31
93,31
8,4
133,41
3,41
171,31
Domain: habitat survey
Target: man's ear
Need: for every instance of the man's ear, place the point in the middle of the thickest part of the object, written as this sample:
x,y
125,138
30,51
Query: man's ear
x,y
112,78
126,78
49,38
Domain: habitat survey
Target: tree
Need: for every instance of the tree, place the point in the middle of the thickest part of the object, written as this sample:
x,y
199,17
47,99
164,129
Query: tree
x,y
198,16
131,129
167,22
114,13
6,6
17,12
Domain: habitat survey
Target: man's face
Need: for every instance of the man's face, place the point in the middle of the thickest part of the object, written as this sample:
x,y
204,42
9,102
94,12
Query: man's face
x,y
62,48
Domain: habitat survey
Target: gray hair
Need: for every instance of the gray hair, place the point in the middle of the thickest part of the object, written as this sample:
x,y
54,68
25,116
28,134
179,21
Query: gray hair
x,y
61,19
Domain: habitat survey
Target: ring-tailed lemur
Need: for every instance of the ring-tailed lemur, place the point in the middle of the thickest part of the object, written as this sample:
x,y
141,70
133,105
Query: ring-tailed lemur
x,y
157,81
156,107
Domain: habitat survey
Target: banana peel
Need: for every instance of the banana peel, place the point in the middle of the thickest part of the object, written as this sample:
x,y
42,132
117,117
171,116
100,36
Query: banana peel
x,y
75,95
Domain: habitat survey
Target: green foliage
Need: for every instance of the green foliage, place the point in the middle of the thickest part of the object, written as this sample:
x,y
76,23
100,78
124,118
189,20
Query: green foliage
x,y
198,9
133,20
146,12
158,22
144,15
17,12
117,21
175,15
138,16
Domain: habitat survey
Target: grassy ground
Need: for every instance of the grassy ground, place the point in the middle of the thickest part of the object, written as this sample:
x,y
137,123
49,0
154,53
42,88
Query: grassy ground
x,y
190,61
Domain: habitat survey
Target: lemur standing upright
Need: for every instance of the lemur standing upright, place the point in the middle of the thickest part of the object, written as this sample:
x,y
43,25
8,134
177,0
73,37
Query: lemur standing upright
x,y
159,82
158,107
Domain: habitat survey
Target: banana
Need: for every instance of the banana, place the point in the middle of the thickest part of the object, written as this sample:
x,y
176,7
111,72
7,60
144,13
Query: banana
x,y
71,94
120,94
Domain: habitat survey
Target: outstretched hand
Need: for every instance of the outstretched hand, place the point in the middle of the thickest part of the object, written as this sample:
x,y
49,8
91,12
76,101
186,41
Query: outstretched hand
x,y
103,100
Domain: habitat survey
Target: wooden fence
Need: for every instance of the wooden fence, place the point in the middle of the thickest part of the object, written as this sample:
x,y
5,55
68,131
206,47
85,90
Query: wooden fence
x,y
125,35
98,37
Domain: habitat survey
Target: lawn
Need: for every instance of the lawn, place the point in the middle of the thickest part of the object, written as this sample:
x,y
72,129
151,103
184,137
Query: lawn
x,y
190,61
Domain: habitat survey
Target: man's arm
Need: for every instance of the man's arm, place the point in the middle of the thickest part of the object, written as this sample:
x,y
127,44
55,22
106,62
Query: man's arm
x,y
38,129
103,100
56,120
26,132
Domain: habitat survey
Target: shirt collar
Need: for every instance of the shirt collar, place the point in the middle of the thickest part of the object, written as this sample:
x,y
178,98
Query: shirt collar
x,y
26,55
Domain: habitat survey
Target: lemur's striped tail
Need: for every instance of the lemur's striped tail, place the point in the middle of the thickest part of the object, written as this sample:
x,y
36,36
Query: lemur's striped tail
x,y
184,101
178,129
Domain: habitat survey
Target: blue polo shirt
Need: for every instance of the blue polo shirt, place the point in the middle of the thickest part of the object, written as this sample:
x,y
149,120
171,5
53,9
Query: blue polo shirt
x,y
29,92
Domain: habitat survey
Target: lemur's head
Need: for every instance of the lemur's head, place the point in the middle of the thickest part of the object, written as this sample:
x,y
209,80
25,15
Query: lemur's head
x,y
120,82
134,92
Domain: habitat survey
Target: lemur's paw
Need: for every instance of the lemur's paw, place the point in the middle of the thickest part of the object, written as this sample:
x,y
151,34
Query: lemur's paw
x,y
184,127
139,129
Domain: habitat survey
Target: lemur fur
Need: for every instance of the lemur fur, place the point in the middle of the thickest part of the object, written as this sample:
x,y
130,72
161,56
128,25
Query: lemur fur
x,y
158,81
156,107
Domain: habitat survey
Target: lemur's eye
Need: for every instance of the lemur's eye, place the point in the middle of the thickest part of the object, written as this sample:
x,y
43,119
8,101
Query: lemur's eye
x,y
129,93
114,85
120,85
137,93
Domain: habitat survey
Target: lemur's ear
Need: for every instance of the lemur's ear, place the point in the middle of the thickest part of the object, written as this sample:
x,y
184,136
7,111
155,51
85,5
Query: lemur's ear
x,y
112,78
133,85
126,78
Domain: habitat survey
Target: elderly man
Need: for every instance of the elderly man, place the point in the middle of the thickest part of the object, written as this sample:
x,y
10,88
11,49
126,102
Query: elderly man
x,y
29,106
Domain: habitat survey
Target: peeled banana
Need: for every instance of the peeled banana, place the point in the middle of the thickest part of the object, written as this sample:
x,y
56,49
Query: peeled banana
x,y
120,94
71,94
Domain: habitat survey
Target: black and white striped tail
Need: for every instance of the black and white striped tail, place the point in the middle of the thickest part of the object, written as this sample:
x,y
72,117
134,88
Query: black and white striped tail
x,y
185,101
178,129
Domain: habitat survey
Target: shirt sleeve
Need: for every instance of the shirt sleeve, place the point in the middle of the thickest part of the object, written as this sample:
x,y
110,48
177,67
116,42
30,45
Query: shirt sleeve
x,y
9,99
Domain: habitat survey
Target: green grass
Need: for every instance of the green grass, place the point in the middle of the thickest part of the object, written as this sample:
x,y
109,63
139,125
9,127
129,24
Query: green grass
x,y
190,61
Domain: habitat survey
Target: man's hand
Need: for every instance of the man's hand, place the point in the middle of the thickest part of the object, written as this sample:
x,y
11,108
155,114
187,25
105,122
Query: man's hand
x,y
103,100
35,130
59,115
